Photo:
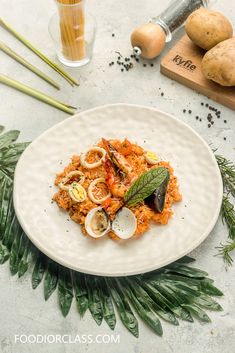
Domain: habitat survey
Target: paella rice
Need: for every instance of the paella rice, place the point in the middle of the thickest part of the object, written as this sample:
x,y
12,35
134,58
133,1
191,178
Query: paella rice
x,y
96,182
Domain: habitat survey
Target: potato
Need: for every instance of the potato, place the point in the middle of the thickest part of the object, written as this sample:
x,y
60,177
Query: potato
x,y
207,28
218,64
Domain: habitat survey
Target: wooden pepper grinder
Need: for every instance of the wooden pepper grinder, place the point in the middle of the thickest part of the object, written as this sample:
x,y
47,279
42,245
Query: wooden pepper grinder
x,y
149,40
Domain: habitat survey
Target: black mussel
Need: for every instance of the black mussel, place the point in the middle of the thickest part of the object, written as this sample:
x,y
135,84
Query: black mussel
x,y
157,200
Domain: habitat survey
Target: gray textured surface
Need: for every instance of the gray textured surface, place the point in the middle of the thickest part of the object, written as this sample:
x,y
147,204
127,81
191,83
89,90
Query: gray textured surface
x,y
23,311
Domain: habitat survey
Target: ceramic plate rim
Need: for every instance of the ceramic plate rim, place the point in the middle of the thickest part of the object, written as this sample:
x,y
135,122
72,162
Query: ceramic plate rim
x,y
60,261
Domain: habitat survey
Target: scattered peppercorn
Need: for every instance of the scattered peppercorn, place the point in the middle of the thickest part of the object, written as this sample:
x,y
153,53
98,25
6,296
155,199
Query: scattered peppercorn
x,y
151,64
225,121
113,35
144,65
184,111
202,104
197,117
190,111
162,94
225,138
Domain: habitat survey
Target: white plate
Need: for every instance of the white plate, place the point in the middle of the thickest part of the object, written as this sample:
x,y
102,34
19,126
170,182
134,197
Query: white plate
x,y
47,226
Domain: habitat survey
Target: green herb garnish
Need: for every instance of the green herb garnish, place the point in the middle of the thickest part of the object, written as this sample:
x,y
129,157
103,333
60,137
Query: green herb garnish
x,y
145,185
228,217
227,170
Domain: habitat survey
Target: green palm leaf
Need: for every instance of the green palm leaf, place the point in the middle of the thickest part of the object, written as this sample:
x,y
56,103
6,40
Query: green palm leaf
x,y
81,293
107,304
4,254
144,307
51,279
8,138
38,271
94,298
65,290
124,310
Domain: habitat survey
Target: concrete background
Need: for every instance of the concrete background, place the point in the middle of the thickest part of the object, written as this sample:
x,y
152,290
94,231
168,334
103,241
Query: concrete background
x,y
22,310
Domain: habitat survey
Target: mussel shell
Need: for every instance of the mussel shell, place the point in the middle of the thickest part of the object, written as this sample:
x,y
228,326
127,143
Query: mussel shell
x,y
157,200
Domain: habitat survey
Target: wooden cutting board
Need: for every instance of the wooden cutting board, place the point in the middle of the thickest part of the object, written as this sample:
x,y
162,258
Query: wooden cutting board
x,y
183,64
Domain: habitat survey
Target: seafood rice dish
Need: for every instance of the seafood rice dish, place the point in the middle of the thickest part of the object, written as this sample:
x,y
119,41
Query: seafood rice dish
x,y
117,189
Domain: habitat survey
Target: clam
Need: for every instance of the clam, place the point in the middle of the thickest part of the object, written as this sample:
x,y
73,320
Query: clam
x,y
124,224
97,222
157,200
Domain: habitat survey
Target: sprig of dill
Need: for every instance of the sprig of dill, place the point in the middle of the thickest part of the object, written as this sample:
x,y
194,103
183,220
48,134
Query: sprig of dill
x,y
227,169
228,216
225,250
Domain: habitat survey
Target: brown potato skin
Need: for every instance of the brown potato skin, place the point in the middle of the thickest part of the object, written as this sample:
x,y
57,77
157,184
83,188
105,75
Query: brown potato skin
x,y
218,64
207,28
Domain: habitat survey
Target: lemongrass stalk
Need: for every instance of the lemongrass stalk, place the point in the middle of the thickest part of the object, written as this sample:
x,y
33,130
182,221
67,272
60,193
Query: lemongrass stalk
x,y
23,40
36,94
27,64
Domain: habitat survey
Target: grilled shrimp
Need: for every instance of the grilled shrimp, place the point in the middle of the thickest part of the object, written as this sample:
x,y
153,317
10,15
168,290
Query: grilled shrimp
x,y
119,173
